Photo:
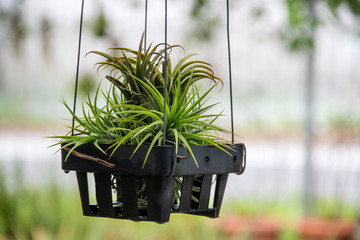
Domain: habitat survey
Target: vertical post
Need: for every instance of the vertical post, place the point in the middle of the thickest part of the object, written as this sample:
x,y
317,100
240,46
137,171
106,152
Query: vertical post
x,y
309,118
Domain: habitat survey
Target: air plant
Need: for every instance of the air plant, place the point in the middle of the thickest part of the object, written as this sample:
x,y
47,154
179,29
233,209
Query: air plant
x,y
135,108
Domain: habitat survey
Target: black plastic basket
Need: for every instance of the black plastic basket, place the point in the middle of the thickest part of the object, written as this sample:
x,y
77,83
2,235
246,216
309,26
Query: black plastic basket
x,y
159,173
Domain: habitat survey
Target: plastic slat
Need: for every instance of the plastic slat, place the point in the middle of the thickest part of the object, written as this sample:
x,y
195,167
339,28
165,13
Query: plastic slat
x,y
103,194
129,197
221,180
160,194
205,192
186,191
84,191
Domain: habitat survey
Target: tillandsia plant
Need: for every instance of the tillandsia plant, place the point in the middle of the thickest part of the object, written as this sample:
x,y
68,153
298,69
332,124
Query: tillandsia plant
x,y
134,104
133,113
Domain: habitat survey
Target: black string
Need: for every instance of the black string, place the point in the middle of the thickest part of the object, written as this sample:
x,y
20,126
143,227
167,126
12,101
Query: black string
x,y
165,76
146,17
230,75
77,66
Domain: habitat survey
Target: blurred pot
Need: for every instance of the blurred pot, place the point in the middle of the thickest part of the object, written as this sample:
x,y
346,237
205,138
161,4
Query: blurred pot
x,y
254,228
323,229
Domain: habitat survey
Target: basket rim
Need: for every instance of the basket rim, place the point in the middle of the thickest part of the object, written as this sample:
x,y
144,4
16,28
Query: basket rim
x,y
162,160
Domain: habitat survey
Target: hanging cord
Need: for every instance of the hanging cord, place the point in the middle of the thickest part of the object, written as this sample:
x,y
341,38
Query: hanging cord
x,y
146,17
230,75
165,75
77,66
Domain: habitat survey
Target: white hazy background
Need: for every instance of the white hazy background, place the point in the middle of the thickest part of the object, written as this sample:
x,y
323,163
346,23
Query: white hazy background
x,y
269,92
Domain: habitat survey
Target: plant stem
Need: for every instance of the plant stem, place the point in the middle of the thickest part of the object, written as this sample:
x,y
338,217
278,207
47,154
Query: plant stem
x,y
91,158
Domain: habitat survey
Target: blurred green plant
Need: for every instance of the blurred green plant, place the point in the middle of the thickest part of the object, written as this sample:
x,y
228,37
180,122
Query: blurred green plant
x,y
48,211
87,84
12,20
204,21
301,23
344,127
353,5
46,27
24,211
52,211
286,209
344,122
100,25
334,209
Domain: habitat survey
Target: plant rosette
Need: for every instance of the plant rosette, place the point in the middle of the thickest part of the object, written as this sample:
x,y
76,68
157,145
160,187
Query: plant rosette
x,y
146,93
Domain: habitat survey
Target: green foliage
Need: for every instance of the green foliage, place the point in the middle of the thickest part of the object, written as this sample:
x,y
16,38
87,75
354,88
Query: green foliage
x,y
26,212
301,22
100,25
353,5
149,66
344,122
135,105
286,208
344,127
141,99
334,209
333,5
46,26
51,211
87,84
204,21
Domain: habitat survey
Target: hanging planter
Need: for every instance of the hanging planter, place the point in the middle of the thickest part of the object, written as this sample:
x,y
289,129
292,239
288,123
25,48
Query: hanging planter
x,y
156,181
152,146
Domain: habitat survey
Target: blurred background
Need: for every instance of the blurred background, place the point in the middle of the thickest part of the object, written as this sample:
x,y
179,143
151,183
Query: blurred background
x,y
296,107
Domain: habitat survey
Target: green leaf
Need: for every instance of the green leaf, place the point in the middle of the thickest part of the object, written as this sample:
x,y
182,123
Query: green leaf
x,y
157,136
187,145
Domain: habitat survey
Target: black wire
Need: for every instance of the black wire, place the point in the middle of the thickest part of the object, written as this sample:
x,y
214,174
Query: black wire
x,y
77,66
146,17
165,76
230,74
